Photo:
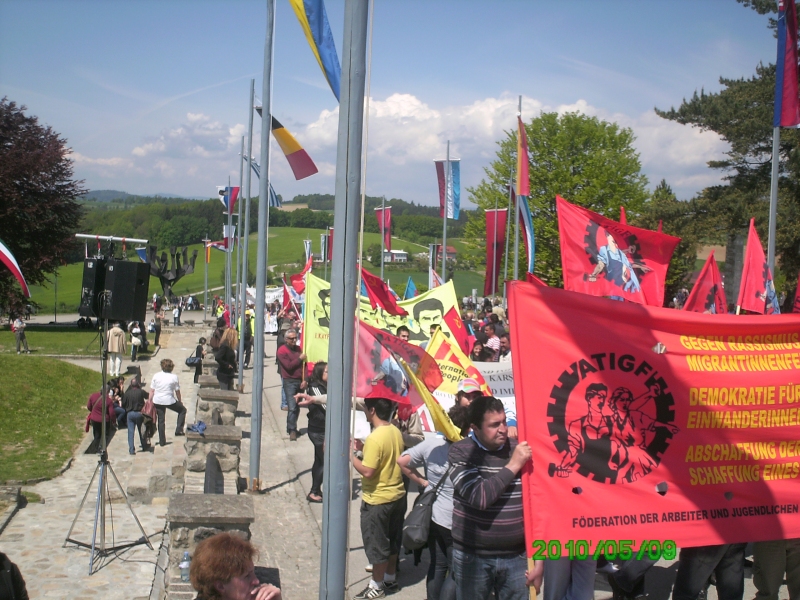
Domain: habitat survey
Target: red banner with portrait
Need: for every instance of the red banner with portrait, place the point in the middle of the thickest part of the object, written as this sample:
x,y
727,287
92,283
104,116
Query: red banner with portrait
x,y
654,424
601,257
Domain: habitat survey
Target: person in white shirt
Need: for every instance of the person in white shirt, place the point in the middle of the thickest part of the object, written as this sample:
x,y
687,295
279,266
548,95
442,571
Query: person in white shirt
x,y
165,393
505,348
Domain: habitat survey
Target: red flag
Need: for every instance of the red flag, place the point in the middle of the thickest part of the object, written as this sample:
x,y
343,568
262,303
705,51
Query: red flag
x,y
523,181
380,374
495,238
330,243
787,106
385,225
601,257
457,328
379,294
708,295
623,218
298,280
796,306
755,275
531,278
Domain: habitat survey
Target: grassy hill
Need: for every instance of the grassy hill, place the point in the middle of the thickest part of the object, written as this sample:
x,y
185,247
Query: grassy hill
x,y
285,248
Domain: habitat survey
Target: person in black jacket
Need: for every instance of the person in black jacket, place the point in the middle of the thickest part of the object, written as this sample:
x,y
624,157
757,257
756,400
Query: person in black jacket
x,y
12,585
315,400
133,403
226,359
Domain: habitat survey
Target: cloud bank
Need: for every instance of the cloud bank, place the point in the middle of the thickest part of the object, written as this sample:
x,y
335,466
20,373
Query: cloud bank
x,y
405,134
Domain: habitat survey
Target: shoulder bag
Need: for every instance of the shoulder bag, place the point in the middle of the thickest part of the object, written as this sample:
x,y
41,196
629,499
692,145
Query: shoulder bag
x,y
418,522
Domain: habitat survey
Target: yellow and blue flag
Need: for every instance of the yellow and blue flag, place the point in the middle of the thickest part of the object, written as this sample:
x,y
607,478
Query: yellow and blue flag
x,y
314,21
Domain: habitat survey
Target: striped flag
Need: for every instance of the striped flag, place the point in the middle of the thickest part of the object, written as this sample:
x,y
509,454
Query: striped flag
x,y
228,195
449,191
274,200
314,21
299,160
9,261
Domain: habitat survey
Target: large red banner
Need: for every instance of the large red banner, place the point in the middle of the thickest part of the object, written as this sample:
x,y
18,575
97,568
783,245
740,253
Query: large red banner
x,y
495,238
604,258
655,424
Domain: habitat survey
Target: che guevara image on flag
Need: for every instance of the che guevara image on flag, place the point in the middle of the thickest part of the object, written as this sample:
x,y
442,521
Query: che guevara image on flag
x,y
647,423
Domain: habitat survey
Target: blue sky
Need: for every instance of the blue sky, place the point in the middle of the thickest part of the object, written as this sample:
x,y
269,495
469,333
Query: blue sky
x,y
152,95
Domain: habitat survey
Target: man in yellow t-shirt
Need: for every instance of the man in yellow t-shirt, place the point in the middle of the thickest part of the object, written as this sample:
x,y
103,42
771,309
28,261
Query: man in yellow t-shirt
x,y
382,509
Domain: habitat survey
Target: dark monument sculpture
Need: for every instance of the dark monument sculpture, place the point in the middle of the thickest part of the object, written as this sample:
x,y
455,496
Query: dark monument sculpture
x,y
170,274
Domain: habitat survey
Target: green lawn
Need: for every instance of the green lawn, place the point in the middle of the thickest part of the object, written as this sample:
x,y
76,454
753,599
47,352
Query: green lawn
x,y
285,247
55,340
44,410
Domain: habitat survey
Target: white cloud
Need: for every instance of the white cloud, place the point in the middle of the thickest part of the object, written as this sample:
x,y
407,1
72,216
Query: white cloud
x,y
405,135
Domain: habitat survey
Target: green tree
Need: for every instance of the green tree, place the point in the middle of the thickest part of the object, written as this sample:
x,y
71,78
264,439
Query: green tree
x,y
39,212
585,160
741,114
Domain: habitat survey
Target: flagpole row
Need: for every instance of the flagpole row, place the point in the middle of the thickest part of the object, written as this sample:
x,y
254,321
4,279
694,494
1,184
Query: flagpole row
x,y
508,228
246,232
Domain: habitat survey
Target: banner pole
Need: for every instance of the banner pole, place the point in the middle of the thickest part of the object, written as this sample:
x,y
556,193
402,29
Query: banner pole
x,y
383,231
344,291
263,249
246,232
238,297
508,228
206,242
448,182
494,253
516,217
773,198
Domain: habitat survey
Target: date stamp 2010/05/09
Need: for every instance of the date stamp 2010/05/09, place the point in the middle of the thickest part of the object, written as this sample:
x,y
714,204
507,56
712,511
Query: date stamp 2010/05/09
x,y
611,549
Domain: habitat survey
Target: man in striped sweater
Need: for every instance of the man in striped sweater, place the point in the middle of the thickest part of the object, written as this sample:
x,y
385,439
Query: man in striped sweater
x,y
488,532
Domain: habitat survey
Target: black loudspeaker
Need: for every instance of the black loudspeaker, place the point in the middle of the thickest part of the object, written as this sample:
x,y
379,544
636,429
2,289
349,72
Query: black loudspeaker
x,y
94,277
127,284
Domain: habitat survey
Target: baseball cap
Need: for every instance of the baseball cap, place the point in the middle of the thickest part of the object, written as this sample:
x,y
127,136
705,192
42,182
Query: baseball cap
x,y
468,386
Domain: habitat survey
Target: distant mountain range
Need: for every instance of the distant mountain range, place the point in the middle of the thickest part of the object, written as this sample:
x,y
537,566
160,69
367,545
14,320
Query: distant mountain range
x,y
109,195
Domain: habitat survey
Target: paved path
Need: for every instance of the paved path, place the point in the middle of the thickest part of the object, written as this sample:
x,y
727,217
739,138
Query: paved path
x,y
287,529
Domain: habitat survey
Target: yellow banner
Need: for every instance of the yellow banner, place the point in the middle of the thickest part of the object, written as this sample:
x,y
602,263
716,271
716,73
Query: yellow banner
x,y
441,420
423,311
454,365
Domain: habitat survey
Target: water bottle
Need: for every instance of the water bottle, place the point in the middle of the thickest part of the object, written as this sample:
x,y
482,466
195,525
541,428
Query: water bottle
x,y
185,563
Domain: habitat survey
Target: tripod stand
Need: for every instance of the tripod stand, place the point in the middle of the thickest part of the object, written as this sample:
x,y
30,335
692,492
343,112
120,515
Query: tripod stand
x,y
101,473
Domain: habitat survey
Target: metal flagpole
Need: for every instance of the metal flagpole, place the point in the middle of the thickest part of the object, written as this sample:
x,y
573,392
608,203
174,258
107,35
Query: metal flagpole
x,y
383,231
344,289
239,245
229,251
261,264
508,228
448,182
494,253
246,234
206,241
516,217
325,250
773,198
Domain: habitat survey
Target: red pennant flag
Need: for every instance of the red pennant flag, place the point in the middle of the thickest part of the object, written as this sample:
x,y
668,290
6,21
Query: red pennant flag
x,y
380,374
330,243
796,306
298,281
756,275
379,294
523,179
457,328
601,257
495,238
623,218
384,216
708,295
